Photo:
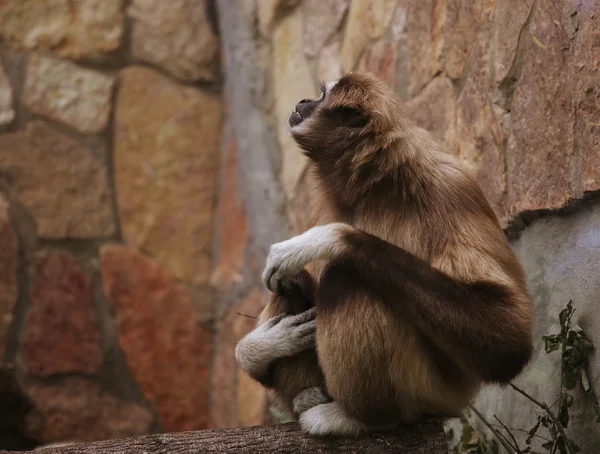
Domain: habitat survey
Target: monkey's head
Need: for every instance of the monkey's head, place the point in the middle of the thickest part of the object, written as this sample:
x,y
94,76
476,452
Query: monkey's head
x,y
348,110
350,126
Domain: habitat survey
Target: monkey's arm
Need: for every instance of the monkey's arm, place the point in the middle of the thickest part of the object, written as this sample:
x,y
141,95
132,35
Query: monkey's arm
x,y
479,325
279,337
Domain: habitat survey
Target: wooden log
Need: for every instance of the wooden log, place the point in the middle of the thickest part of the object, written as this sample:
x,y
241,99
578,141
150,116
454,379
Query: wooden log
x,y
425,437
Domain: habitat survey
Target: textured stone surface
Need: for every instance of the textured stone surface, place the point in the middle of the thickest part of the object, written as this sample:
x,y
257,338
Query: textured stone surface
x,y
480,139
62,334
328,65
367,19
400,39
510,17
380,60
541,144
224,403
7,112
233,223
172,153
175,35
321,20
60,183
425,34
69,94
167,351
435,110
9,277
586,62
269,11
398,25
245,81
464,20
235,400
77,409
87,29
292,82
561,261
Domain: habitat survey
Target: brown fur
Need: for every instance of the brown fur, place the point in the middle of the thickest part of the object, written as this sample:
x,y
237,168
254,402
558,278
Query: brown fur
x,y
426,300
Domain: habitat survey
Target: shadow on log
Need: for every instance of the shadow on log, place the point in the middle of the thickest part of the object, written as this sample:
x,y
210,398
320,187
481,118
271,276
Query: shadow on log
x,y
425,437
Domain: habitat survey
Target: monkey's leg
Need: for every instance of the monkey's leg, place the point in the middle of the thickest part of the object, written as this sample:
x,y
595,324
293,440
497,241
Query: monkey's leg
x,y
279,337
353,349
483,325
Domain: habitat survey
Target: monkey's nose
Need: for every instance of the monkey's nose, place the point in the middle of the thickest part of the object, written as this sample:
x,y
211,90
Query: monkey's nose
x,y
304,101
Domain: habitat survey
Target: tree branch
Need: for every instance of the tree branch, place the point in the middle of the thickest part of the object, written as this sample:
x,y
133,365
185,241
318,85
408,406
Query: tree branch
x,y
424,437
546,408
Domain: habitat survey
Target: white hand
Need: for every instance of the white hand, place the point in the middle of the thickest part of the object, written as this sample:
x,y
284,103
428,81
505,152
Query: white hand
x,y
287,258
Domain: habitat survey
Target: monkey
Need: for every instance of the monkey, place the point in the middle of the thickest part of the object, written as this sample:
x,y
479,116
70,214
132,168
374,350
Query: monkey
x,y
413,298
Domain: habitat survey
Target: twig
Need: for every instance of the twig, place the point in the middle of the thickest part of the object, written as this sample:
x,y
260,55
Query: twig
x,y
503,441
522,430
544,406
509,433
244,315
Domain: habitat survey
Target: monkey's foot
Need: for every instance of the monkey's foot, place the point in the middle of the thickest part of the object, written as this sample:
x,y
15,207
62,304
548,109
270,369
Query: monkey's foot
x,y
309,398
279,337
330,419
292,334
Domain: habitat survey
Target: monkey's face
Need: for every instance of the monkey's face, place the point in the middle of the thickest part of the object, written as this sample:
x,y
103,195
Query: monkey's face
x,y
349,112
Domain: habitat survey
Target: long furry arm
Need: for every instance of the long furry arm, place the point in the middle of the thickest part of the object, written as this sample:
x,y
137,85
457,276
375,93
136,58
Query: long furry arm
x,y
479,324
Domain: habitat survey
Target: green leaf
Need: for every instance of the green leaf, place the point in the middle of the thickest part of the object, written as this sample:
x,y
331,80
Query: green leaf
x,y
552,343
545,420
563,411
565,316
562,447
568,400
548,445
585,382
533,431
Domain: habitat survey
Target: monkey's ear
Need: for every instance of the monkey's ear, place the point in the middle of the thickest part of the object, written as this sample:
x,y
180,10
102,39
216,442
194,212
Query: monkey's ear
x,y
348,116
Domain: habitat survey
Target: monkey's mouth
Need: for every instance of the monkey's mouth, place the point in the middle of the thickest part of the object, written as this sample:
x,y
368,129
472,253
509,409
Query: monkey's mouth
x,y
295,119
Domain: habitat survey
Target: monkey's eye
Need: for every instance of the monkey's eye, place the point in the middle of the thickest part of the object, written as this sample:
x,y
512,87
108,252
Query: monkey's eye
x,y
350,116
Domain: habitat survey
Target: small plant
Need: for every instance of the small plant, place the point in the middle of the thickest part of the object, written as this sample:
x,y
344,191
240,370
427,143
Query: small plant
x,y
575,348
471,441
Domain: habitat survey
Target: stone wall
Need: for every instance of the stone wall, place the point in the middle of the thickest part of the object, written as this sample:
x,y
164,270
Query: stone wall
x,y
111,194
143,178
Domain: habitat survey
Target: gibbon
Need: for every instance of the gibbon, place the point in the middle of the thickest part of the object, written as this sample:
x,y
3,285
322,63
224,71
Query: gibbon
x,y
404,296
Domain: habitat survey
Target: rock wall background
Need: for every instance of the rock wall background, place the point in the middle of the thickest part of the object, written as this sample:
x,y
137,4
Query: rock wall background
x,y
111,190
145,169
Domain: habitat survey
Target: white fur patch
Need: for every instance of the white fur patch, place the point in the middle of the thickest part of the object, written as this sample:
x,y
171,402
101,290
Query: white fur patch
x,y
330,419
329,86
278,337
288,258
